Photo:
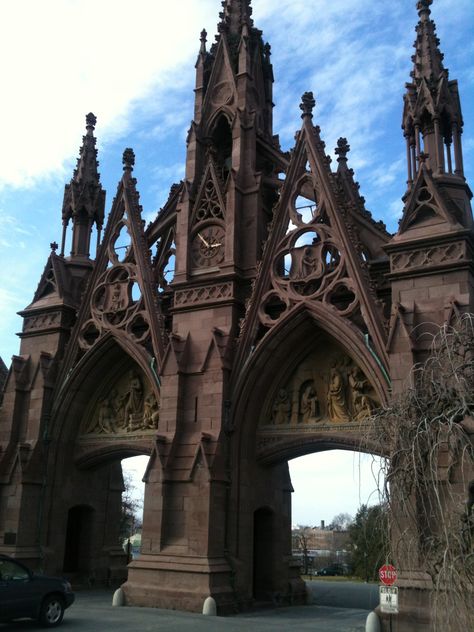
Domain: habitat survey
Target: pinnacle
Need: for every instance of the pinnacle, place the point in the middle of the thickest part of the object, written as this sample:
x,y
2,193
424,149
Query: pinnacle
x,y
84,196
235,14
428,60
87,163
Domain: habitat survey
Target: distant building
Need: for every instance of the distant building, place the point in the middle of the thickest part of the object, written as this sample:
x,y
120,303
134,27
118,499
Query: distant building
x,y
320,545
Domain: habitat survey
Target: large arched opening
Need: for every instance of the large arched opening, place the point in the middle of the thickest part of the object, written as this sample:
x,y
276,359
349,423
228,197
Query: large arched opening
x,y
107,412
311,386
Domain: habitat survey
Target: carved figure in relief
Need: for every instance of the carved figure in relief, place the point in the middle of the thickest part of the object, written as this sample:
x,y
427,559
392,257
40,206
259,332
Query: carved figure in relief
x,y
116,302
133,403
151,412
309,405
337,409
362,404
308,263
281,408
305,263
106,417
119,406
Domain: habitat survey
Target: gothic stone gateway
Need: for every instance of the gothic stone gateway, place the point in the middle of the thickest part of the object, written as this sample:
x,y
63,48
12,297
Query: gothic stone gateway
x,y
291,315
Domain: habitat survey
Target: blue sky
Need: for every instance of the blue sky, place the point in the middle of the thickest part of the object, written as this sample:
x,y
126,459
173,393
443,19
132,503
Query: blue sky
x,y
133,66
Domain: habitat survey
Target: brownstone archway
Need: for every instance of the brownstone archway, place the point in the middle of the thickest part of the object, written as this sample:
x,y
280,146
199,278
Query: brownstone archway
x,y
83,500
271,427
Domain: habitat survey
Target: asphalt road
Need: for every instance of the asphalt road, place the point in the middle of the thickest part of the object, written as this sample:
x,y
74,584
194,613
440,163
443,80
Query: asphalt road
x,y
93,612
341,594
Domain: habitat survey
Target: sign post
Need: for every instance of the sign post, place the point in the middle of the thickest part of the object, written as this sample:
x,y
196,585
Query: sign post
x,y
388,592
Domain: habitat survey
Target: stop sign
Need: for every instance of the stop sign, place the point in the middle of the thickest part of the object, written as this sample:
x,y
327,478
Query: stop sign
x,y
388,574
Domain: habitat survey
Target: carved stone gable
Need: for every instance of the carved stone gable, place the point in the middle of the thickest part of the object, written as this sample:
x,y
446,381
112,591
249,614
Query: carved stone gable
x,y
314,252
122,297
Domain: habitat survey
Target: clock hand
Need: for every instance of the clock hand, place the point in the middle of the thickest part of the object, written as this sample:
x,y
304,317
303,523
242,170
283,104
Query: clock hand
x,y
203,240
215,245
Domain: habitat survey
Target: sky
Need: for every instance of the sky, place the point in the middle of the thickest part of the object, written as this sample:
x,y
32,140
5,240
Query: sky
x,y
325,484
132,65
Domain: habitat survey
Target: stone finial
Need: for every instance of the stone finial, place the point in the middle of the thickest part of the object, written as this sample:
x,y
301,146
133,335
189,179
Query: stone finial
x,y
54,246
342,149
128,159
423,6
307,104
91,120
203,40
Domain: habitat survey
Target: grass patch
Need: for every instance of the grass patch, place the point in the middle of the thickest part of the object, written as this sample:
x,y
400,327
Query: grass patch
x,y
334,578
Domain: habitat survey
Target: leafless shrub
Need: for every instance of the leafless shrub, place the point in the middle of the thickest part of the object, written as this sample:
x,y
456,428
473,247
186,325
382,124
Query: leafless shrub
x,y
428,435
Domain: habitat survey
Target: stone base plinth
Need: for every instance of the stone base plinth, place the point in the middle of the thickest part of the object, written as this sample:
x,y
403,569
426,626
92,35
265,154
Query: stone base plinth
x,y
179,583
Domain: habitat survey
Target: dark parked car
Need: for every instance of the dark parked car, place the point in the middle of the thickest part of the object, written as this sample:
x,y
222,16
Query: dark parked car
x,y
24,594
334,569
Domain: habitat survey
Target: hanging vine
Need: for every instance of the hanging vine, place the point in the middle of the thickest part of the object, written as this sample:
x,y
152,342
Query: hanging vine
x,y
428,434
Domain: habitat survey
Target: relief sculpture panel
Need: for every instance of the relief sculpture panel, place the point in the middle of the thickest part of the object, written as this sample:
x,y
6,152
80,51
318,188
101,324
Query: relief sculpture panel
x,y
327,390
130,406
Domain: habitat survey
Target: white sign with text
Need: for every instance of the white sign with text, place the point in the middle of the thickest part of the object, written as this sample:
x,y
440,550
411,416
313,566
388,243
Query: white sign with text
x,y
389,599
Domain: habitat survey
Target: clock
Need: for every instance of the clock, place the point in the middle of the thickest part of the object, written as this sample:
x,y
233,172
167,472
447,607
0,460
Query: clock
x,y
207,246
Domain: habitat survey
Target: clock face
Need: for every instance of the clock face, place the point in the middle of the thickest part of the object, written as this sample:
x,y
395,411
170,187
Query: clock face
x,y
207,246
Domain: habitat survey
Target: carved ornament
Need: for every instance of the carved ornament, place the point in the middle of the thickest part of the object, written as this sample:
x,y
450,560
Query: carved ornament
x,y
203,294
309,265
129,407
113,306
327,390
41,322
434,255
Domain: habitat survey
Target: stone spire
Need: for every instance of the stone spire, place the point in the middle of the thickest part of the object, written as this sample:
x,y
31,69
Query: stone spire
x,y
428,60
84,198
432,120
234,73
235,15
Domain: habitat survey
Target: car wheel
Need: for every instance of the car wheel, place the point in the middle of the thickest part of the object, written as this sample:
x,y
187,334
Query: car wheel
x,y
52,611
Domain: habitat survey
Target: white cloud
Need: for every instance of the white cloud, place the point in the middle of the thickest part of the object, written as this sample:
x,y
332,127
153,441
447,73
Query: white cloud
x,y
74,56
14,236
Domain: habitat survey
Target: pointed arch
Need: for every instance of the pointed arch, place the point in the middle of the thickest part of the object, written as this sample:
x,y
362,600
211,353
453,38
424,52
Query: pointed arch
x,y
107,360
280,352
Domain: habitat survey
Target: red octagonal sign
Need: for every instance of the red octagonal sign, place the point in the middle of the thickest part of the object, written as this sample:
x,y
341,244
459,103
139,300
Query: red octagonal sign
x,y
388,574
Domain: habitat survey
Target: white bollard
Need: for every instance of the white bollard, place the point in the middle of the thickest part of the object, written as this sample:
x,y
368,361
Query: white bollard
x,y
209,607
373,623
119,598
